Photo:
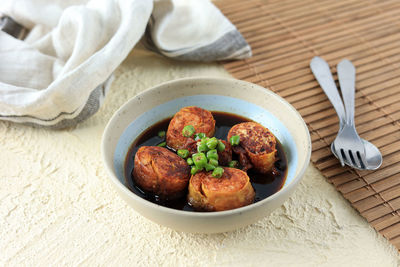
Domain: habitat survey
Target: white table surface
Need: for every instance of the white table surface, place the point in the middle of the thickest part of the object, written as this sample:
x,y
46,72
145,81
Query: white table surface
x,y
57,205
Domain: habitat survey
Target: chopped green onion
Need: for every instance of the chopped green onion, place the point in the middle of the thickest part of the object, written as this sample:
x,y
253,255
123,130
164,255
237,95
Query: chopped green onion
x,y
183,153
234,140
212,154
212,143
217,173
220,146
199,136
161,134
202,147
209,167
205,139
190,161
188,131
163,144
213,162
199,160
194,170
233,164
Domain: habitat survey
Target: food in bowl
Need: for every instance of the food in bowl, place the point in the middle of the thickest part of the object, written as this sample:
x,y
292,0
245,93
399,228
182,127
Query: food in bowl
x,y
225,174
138,122
256,148
200,119
232,190
161,172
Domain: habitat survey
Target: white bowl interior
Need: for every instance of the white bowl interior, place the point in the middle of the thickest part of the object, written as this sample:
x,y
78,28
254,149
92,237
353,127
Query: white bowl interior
x,y
212,103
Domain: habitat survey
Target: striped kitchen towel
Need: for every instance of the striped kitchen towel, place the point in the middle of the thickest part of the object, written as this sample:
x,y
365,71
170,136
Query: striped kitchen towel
x,y
58,74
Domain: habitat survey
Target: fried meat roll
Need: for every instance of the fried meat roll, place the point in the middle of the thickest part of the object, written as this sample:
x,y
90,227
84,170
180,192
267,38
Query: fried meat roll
x,y
161,172
202,120
257,147
232,190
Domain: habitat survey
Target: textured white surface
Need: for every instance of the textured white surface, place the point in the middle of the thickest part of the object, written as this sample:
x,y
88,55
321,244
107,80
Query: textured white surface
x,y
58,207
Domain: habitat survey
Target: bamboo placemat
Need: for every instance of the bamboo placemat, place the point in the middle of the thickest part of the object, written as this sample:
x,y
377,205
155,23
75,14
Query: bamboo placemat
x,y
285,35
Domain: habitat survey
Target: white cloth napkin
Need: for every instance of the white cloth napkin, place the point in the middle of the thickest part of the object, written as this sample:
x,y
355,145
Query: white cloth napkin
x,y
59,74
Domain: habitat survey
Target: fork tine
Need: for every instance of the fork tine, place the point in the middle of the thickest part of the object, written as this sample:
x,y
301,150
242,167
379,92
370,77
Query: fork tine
x,y
356,159
363,159
346,156
339,154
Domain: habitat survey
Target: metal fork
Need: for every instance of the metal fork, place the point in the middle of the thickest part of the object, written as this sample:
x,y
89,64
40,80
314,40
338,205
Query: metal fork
x,y
347,145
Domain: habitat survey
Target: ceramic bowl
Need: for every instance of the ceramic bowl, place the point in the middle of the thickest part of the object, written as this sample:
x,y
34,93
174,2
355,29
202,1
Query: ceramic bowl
x,y
214,94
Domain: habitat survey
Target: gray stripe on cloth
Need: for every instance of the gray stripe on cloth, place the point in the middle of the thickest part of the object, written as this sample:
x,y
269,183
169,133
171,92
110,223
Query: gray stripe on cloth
x,y
92,105
224,48
10,26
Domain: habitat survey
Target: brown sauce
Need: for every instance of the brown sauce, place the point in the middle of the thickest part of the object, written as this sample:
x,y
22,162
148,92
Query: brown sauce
x,y
264,184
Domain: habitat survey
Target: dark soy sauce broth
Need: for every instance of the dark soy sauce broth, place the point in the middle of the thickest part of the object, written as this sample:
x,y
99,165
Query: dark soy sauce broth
x,y
264,184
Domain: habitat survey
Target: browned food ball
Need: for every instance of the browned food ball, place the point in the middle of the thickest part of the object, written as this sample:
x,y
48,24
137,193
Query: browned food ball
x,y
161,172
224,157
202,120
233,190
257,146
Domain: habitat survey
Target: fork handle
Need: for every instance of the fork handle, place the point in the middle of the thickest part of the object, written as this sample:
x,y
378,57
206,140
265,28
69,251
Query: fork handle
x,y
347,80
323,74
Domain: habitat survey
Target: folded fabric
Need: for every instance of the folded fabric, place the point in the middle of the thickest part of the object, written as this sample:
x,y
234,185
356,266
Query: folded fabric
x,y
60,73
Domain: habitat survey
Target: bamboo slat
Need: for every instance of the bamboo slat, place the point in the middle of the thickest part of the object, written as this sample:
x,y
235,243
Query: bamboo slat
x,y
284,36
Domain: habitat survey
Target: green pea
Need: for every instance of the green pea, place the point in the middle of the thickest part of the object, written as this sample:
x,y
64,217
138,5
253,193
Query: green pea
x,y
212,143
209,167
190,161
233,164
234,140
199,160
220,146
217,173
194,170
161,134
202,147
163,144
188,131
213,162
212,154
199,136
183,153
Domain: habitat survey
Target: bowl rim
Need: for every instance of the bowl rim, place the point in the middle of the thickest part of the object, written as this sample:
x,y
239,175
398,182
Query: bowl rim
x,y
148,204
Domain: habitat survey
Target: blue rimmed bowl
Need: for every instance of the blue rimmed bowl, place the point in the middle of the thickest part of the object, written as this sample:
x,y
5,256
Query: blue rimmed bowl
x,y
215,94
